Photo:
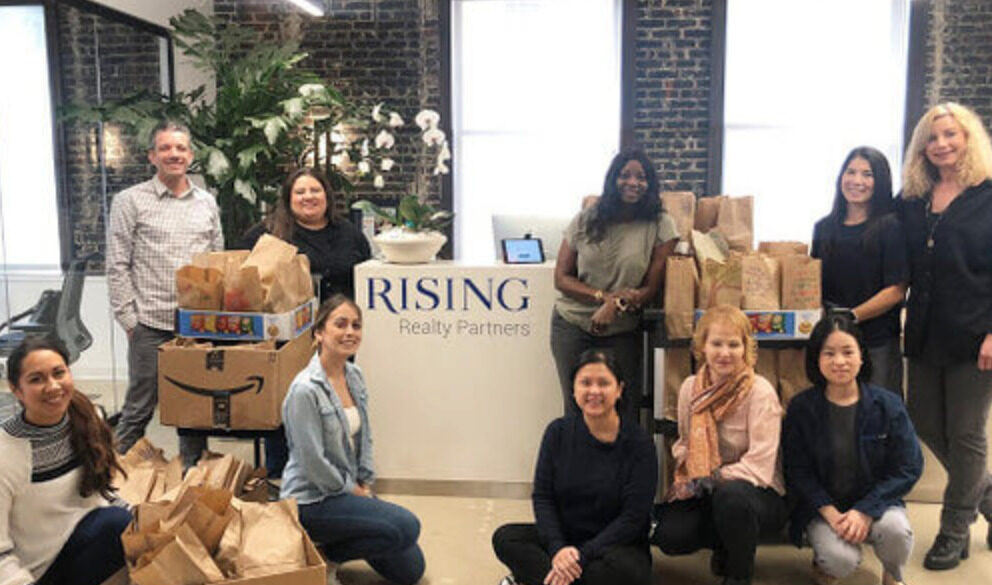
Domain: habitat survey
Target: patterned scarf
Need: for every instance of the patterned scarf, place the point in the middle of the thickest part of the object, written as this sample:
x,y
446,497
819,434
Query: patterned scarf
x,y
711,402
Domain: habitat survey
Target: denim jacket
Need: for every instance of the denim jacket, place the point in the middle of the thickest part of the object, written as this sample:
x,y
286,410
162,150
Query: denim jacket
x,y
889,457
322,461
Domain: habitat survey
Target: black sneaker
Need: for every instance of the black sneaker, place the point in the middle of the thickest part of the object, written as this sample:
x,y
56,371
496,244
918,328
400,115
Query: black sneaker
x,y
946,553
508,580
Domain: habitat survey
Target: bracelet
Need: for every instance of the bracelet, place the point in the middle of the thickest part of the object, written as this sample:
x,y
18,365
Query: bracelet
x,y
598,295
621,304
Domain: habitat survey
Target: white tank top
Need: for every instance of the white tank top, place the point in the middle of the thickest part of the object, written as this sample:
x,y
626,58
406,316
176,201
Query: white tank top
x,y
354,422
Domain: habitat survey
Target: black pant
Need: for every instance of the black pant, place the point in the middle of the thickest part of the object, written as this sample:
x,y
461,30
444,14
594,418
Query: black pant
x,y
518,546
93,551
730,520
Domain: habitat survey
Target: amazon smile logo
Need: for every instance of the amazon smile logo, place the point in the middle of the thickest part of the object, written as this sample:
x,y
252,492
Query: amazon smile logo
x,y
221,397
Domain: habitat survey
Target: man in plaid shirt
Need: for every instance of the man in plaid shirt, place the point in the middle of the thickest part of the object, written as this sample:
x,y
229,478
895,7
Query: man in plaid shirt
x,y
155,228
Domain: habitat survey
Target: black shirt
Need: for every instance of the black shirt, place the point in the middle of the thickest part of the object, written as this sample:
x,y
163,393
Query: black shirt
x,y
949,309
844,450
590,494
333,252
855,270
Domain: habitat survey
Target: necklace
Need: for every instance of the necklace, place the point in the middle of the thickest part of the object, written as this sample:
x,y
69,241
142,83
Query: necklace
x,y
934,220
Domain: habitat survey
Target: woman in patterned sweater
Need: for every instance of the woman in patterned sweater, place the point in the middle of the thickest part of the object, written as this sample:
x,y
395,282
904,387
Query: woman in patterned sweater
x,y
57,521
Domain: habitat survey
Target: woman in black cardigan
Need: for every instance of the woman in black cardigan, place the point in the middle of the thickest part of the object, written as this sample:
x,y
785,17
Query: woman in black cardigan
x,y
946,208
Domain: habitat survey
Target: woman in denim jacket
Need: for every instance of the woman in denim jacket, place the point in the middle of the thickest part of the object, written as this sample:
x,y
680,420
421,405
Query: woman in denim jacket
x,y
850,455
330,470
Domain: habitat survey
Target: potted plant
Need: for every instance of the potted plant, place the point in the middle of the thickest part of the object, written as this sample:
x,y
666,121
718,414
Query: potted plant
x,y
415,236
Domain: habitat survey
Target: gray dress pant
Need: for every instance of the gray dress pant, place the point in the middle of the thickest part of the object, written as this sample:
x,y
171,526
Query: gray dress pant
x,y
142,393
949,405
890,536
886,366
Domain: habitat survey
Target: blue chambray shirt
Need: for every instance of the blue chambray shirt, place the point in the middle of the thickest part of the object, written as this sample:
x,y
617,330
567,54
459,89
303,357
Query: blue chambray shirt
x,y
322,462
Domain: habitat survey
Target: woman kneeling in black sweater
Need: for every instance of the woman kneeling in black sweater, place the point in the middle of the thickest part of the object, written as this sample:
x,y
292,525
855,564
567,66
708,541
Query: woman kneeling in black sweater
x,y
593,488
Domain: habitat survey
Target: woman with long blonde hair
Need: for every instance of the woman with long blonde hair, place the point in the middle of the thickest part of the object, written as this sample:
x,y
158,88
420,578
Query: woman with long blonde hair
x,y
946,207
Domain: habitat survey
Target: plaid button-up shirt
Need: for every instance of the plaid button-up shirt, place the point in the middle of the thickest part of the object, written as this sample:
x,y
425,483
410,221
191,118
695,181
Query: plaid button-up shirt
x,y
152,234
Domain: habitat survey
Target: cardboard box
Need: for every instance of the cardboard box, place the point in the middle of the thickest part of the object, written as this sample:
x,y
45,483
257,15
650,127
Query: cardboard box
x,y
228,325
782,324
228,387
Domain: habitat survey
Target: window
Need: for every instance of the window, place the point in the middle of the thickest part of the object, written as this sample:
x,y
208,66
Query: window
x,y
536,109
799,96
28,204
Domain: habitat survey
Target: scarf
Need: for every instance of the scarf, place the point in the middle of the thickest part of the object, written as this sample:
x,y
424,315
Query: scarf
x,y
710,403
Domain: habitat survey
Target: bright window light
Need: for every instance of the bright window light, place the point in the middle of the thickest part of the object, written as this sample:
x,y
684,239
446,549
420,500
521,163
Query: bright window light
x,y
536,105
800,95
28,205
309,7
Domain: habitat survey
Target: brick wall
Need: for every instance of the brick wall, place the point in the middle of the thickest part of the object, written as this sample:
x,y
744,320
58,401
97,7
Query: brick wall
x,y
958,58
128,60
371,51
671,111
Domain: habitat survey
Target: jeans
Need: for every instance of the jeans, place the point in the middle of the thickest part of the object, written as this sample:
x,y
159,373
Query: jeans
x,y
949,405
518,546
93,552
276,452
886,366
890,536
729,521
567,344
142,394
349,527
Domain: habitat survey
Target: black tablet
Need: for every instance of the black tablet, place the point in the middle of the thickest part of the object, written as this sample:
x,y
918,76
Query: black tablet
x,y
522,251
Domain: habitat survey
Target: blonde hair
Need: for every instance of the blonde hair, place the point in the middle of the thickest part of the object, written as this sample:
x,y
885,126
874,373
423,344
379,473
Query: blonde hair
x,y
725,315
919,175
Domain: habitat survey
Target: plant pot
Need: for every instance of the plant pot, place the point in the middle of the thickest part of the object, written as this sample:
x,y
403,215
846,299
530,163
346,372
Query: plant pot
x,y
401,246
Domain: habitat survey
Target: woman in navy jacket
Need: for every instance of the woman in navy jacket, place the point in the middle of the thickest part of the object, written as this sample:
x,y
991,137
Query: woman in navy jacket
x,y
850,455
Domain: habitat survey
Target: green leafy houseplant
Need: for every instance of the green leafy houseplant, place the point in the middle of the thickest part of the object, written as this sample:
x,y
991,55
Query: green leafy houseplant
x,y
411,214
262,122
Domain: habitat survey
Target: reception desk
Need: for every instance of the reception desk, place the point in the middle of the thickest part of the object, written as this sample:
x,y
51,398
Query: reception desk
x,y
459,369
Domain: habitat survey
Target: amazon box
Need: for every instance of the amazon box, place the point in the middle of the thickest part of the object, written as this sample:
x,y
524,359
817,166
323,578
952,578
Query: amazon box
x,y
238,387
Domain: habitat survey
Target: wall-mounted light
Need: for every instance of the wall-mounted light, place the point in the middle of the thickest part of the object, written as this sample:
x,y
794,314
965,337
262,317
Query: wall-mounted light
x,y
310,7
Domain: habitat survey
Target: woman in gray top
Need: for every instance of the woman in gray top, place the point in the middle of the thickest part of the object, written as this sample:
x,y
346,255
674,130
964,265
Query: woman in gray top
x,y
610,264
330,470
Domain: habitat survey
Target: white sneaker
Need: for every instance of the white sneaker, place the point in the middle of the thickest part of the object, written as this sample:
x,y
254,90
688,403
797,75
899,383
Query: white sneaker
x,y
332,574
508,580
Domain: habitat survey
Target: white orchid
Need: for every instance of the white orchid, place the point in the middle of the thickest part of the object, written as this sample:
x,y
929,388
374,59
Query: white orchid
x,y
441,169
378,182
365,148
444,154
384,140
341,161
427,119
395,121
434,137
364,167
376,114
387,164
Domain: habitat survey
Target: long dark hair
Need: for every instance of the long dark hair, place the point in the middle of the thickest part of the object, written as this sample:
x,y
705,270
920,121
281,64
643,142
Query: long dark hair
x,y
610,206
879,206
91,439
328,307
281,222
827,325
605,357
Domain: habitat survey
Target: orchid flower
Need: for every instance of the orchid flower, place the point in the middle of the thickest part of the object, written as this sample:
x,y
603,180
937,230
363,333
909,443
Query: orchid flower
x,y
387,164
427,119
376,115
395,121
378,182
434,136
384,140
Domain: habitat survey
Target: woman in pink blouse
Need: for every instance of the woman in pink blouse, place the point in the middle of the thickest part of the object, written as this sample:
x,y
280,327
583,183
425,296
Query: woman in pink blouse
x,y
728,484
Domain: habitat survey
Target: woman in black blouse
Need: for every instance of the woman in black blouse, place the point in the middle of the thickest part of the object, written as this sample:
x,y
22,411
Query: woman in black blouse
x,y
307,217
946,208
862,246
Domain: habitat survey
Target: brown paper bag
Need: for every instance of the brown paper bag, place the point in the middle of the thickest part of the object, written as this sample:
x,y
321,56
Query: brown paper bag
x,y
707,209
243,291
735,221
263,539
767,366
268,252
801,284
291,285
709,246
721,283
184,561
783,248
678,367
791,373
219,260
761,283
681,280
199,288
681,205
